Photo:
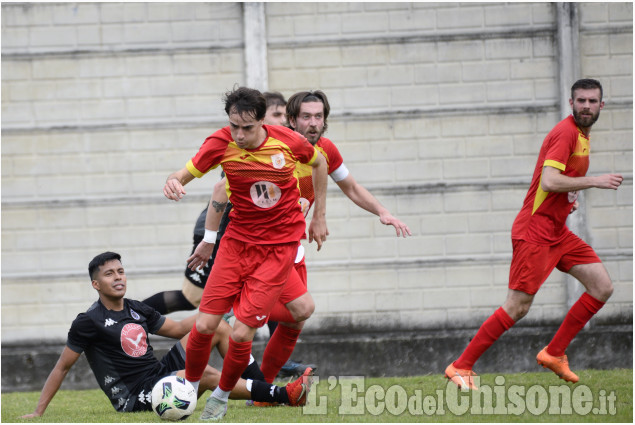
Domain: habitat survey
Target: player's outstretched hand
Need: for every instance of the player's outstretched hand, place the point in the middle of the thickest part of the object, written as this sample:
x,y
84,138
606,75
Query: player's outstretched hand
x,y
173,189
201,255
609,181
318,231
400,227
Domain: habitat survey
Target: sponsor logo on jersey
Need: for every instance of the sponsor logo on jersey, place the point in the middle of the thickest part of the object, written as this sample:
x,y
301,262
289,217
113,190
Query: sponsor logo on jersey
x,y
134,314
134,341
277,160
265,194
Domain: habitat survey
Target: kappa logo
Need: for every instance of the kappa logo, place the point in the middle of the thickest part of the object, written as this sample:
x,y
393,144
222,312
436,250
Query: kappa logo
x,y
108,379
109,322
261,317
272,389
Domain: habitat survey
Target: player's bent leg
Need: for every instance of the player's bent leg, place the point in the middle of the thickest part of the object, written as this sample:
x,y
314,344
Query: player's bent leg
x,y
595,278
599,288
517,304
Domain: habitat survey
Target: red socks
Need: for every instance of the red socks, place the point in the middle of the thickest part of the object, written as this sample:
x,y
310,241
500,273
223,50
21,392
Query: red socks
x,y
199,347
234,364
578,316
278,351
489,332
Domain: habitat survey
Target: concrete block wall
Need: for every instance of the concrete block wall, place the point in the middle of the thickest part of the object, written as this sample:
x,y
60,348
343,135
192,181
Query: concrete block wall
x,y
438,108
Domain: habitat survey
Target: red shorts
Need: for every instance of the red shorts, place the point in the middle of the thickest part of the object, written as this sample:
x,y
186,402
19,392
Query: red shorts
x,y
532,264
250,278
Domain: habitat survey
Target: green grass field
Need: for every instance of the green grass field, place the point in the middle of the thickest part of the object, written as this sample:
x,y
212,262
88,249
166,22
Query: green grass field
x,y
600,396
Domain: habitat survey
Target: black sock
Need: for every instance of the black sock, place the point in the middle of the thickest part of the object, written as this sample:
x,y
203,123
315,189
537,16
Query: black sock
x,y
253,372
156,302
263,391
169,301
176,301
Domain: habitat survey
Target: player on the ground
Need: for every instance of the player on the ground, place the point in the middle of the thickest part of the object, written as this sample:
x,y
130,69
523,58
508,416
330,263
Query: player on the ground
x,y
542,241
254,264
113,333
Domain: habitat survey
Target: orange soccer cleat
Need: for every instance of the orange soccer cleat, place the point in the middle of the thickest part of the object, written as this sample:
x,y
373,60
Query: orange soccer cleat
x,y
298,389
559,365
463,378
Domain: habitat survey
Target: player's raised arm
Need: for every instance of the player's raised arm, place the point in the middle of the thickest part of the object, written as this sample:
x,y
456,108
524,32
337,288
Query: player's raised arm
x,y
318,230
364,199
54,381
205,248
173,188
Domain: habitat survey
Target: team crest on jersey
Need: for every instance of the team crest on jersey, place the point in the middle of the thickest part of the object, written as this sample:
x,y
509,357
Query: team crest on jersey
x,y
277,160
265,194
133,340
134,314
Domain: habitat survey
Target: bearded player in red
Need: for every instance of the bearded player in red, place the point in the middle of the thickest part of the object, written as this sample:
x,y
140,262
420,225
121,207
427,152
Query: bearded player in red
x,y
542,241
255,260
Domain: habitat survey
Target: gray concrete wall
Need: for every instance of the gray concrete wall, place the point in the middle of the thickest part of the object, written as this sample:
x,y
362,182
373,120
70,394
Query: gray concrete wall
x,y
438,108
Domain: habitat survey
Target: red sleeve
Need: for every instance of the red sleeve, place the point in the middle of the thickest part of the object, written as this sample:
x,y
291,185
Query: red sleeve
x,y
210,153
331,153
562,141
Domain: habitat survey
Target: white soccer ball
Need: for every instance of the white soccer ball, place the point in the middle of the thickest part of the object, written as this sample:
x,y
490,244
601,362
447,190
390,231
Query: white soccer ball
x,y
173,398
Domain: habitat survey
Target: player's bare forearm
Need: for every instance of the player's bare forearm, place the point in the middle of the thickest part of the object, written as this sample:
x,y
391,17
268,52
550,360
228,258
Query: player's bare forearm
x,y
552,180
318,230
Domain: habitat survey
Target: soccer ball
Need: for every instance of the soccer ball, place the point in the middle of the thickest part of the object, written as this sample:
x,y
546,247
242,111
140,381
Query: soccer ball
x,y
173,398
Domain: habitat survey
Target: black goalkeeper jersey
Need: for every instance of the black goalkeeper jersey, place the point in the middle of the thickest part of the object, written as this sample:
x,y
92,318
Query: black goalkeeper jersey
x,y
118,349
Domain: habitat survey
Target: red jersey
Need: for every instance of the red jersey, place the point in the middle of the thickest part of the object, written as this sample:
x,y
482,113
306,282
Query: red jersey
x,y
542,219
260,183
304,172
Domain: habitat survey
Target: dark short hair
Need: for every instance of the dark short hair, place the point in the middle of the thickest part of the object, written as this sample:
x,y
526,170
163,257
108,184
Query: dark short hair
x,y
296,101
274,98
100,260
586,84
245,101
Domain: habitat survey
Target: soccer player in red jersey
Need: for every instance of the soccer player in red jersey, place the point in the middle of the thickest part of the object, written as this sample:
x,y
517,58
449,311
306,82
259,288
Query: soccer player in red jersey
x,y
255,260
541,240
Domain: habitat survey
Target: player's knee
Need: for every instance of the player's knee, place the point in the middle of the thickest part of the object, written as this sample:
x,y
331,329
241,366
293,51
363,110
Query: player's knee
x,y
304,310
604,291
205,325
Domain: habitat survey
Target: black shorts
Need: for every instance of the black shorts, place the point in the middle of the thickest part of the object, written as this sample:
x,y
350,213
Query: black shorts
x,y
171,363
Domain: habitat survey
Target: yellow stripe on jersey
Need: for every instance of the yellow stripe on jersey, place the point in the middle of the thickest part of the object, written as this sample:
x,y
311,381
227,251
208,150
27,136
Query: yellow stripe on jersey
x,y
192,169
541,195
555,164
582,148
